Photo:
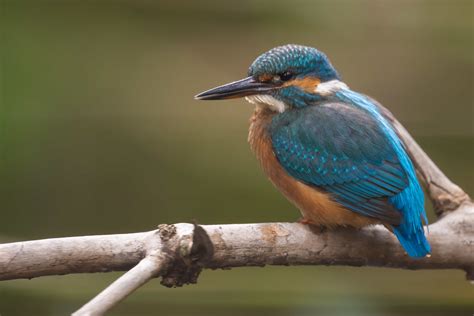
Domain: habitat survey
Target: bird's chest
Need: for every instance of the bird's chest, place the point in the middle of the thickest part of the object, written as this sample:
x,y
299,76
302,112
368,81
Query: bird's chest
x,y
316,206
260,141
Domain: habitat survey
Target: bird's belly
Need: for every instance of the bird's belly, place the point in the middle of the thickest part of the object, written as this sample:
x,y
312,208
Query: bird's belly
x,y
316,206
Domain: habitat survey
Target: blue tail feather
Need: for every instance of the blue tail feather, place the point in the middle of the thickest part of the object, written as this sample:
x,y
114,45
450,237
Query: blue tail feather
x,y
410,232
414,243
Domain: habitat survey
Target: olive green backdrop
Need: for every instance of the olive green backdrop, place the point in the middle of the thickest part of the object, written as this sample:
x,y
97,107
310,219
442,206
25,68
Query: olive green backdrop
x,y
99,133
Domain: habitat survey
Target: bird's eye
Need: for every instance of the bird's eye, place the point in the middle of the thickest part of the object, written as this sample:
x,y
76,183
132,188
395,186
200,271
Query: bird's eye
x,y
285,76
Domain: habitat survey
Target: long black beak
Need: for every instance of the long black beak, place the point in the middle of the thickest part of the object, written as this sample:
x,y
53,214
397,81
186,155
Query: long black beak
x,y
236,89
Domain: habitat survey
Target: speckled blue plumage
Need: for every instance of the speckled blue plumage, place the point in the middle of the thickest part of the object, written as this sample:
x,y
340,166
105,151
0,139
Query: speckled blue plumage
x,y
344,146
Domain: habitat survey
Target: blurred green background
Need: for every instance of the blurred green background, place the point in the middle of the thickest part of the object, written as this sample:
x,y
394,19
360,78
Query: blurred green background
x,y
99,133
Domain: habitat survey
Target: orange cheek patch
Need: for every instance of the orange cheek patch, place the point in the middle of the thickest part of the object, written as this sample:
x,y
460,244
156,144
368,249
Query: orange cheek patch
x,y
308,84
265,78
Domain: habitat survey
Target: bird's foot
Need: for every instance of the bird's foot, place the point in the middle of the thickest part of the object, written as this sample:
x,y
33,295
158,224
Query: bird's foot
x,y
314,227
305,221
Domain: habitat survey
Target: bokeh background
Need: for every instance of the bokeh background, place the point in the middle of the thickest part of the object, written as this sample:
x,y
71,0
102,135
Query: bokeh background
x,y
99,133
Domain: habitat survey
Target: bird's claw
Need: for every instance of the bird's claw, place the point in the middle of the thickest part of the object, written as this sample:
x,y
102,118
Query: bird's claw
x,y
314,227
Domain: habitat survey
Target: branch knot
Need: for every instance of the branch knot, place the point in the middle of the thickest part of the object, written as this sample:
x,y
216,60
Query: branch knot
x,y
190,250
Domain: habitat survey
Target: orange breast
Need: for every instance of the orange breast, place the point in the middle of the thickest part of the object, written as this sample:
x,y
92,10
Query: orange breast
x,y
316,206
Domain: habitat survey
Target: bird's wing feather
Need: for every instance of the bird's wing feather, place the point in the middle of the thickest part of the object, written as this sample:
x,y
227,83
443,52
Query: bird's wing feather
x,y
342,150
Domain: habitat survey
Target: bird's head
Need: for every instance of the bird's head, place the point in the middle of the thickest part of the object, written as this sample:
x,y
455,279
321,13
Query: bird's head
x,y
285,77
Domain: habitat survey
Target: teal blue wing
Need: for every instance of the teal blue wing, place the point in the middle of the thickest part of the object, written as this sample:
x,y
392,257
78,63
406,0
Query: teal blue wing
x,y
341,150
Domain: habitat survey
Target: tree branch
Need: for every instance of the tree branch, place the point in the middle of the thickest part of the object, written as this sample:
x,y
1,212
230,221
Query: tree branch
x,y
238,245
177,253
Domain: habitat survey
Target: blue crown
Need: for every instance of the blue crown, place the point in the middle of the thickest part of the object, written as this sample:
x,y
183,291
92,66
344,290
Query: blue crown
x,y
300,60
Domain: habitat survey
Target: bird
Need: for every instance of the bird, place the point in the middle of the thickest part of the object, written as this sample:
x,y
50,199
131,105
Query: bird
x,y
330,150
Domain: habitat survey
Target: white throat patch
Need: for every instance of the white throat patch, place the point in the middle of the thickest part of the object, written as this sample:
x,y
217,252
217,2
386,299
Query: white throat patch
x,y
263,100
330,87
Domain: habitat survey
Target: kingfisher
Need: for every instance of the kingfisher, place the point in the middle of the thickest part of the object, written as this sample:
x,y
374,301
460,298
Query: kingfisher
x,y
330,150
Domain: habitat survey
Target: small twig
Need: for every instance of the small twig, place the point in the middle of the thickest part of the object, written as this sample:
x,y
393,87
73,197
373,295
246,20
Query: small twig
x,y
445,195
147,269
